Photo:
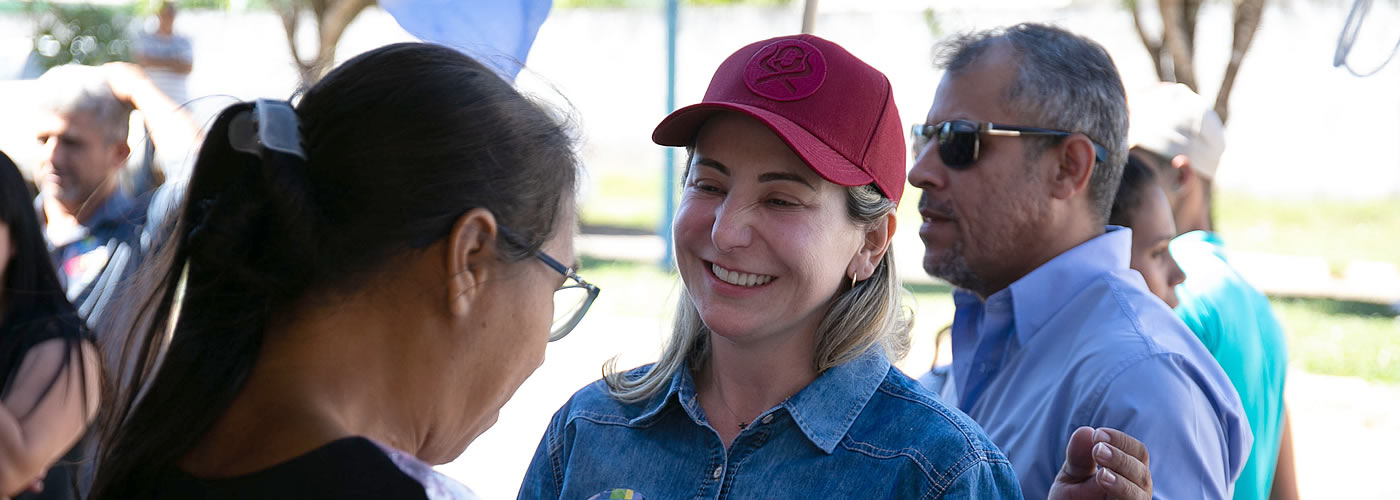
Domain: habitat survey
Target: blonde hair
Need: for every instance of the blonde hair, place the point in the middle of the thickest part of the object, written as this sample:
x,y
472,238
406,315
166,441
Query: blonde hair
x,y
865,315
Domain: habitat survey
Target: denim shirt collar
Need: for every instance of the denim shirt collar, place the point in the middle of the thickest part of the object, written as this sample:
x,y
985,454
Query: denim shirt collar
x,y
1037,296
824,410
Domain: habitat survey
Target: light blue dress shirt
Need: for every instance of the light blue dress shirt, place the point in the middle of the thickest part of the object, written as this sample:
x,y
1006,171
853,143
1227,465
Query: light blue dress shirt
x,y
860,430
1082,341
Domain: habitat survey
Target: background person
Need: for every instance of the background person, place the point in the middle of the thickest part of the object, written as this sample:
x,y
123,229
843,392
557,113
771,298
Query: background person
x,y
1053,330
366,280
168,57
1141,205
1177,133
777,380
96,231
49,368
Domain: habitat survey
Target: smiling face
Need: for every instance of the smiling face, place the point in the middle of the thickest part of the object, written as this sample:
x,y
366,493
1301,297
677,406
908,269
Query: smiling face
x,y
763,243
981,222
1153,230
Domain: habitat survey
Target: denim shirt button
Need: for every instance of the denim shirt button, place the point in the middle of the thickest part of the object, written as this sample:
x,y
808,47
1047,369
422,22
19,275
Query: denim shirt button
x,y
768,419
719,471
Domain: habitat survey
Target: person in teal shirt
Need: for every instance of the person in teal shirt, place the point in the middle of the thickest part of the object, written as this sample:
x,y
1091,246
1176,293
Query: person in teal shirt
x,y
1179,135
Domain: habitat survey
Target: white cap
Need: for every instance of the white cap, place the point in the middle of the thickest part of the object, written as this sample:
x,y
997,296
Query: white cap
x,y
1169,120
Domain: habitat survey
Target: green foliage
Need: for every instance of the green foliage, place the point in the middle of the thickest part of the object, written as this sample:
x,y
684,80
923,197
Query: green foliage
x,y
81,34
931,20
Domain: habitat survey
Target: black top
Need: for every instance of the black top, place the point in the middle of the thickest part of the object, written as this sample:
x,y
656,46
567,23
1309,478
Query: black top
x,y
348,468
23,330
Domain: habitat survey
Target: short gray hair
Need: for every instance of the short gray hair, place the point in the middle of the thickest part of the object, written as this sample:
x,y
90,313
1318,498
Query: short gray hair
x,y
1065,82
73,89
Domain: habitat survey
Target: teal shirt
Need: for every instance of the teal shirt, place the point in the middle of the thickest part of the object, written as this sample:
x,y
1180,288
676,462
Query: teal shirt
x,y
1237,326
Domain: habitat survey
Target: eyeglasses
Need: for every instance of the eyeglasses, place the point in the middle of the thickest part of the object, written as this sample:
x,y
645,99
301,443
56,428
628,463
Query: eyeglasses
x,y
959,141
571,301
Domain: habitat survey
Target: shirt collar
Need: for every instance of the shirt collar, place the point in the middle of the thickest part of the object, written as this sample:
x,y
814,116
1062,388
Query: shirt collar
x,y
681,390
116,209
1042,293
827,407
824,410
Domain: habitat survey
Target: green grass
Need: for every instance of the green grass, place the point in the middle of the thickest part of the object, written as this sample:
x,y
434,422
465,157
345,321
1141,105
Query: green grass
x,y
1340,231
624,198
1324,336
1342,338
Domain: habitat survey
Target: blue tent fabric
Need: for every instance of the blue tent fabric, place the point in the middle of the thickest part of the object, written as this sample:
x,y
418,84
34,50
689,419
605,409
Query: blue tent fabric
x,y
498,33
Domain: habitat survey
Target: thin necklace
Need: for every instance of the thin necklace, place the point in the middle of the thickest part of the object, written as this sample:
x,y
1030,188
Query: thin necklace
x,y
720,393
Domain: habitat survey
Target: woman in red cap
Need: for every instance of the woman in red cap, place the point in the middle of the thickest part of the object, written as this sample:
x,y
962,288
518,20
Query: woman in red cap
x,y
777,381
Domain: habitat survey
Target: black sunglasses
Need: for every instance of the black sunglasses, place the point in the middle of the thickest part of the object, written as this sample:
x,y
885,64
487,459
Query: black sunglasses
x,y
959,141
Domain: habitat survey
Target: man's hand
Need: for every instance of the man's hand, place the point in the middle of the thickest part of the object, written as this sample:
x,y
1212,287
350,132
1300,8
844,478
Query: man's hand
x,y
1103,463
128,81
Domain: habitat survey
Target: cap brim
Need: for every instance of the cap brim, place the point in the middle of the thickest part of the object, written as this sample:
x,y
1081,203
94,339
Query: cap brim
x,y
679,128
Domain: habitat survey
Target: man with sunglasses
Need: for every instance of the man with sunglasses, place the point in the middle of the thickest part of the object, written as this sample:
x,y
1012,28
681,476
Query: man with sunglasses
x,y
1018,161
1178,134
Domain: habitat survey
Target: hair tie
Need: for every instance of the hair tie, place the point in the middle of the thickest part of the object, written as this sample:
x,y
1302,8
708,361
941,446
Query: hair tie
x,y
269,125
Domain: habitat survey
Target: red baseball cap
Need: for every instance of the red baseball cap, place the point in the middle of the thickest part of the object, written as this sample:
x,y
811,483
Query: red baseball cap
x,y
834,110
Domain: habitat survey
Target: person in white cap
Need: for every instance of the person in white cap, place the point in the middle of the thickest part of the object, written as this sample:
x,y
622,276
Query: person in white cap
x,y
1176,132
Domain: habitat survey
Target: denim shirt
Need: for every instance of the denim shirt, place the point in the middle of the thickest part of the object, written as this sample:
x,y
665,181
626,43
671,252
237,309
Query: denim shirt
x,y
860,430
1081,341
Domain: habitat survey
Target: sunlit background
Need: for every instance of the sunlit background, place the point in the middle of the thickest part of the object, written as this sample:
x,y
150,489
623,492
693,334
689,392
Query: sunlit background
x,y
1308,194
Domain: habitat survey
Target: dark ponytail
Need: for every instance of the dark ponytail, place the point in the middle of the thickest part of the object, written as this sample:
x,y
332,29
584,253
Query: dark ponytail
x,y
399,142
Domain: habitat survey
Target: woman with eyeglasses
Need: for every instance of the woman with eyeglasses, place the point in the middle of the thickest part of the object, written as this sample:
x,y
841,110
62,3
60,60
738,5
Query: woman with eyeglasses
x,y
353,289
777,379
49,367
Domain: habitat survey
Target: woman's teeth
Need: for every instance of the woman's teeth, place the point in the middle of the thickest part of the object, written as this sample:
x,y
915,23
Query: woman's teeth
x,y
738,278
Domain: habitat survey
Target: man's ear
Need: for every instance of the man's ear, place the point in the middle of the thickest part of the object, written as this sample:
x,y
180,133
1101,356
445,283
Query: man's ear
x,y
1076,162
1185,173
120,151
471,258
872,249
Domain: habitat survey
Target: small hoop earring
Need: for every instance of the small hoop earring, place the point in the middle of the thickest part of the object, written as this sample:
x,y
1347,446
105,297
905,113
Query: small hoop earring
x,y
853,280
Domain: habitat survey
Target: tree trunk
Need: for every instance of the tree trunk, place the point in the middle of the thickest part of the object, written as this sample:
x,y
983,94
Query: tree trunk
x,y
1174,37
1154,47
332,18
1247,15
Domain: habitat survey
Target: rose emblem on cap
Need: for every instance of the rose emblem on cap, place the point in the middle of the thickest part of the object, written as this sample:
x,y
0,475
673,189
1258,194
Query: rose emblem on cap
x,y
786,70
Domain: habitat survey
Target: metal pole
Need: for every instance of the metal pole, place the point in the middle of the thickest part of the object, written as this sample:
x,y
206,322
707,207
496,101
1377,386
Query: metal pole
x,y
809,16
669,187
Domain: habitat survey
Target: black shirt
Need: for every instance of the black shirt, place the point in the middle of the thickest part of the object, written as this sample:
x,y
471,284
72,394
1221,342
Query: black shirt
x,y
348,468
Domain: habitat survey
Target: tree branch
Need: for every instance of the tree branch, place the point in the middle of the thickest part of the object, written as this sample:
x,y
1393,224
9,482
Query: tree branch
x,y
1154,47
1174,37
1247,16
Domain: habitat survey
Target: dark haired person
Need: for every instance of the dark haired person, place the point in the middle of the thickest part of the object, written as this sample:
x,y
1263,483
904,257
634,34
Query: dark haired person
x,y
1141,205
355,287
1026,139
1177,134
49,368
